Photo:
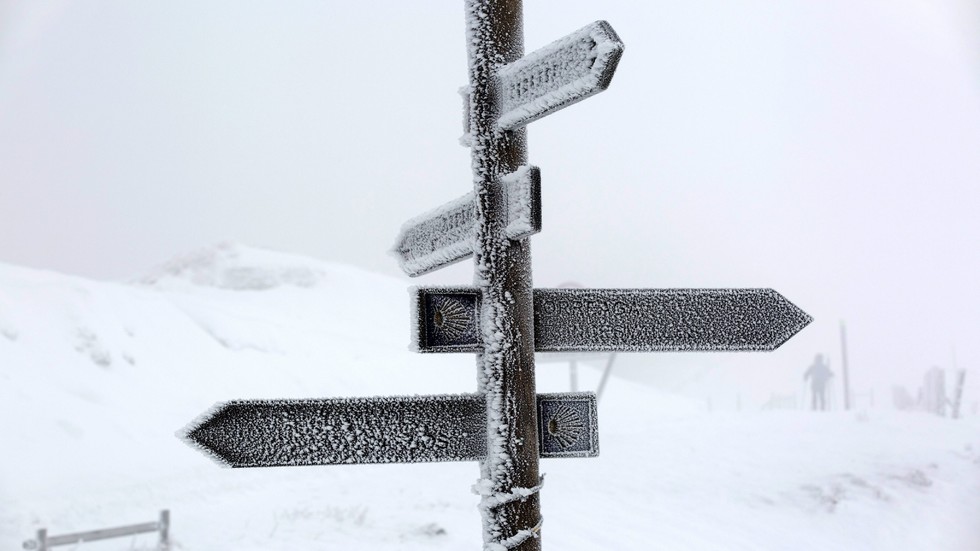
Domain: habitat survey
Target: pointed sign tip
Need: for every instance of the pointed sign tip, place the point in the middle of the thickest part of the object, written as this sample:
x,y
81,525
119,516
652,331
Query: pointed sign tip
x,y
558,75
187,434
612,51
795,320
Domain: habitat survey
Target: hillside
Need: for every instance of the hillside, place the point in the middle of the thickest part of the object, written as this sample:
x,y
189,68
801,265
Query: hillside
x,y
96,377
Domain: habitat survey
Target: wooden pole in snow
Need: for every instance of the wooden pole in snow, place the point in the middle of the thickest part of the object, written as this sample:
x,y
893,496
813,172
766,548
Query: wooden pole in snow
x,y
573,375
843,367
509,481
958,393
605,375
165,529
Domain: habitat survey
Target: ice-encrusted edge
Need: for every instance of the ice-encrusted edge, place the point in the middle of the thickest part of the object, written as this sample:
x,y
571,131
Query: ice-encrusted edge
x,y
522,189
436,259
608,49
589,397
417,295
185,433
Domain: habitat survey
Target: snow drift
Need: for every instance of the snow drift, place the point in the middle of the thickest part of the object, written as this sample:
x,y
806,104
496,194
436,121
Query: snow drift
x,y
95,378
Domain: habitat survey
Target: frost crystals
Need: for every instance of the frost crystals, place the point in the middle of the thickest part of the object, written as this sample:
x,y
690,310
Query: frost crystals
x,y
630,320
567,425
390,429
445,235
560,74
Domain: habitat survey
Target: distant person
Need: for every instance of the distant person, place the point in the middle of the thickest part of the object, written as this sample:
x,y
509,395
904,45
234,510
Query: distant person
x,y
818,373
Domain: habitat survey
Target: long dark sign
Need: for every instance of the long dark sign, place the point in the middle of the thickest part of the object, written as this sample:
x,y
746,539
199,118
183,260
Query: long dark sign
x,y
621,320
390,429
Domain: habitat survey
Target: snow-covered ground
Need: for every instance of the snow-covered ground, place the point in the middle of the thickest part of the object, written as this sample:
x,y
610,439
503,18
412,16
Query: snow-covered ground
x,y
96,377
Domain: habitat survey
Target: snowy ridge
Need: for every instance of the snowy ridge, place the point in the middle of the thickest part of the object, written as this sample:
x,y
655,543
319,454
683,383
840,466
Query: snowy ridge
x,y
122,366
234,267
89,445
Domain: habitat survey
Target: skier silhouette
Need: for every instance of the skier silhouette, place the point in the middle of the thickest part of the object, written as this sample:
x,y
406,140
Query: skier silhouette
x,y
819,374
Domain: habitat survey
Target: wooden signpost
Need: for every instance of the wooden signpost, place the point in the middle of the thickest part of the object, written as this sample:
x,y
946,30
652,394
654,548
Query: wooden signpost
x,y
505,425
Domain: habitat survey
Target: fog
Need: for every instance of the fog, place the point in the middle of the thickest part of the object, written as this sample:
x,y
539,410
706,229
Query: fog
x,y
825,150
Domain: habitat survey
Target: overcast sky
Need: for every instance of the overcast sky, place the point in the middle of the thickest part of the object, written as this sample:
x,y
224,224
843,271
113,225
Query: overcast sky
x,y
825,149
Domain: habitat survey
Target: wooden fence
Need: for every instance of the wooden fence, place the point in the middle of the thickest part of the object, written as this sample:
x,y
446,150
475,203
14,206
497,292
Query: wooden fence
x,y
43,541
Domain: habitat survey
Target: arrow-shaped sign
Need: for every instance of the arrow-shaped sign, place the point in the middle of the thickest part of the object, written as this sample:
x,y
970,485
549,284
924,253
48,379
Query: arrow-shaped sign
x,y
623,320
560,74
401,429
445,235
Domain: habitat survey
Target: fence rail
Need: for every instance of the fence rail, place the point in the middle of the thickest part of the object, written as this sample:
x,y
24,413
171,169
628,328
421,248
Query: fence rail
x,y
43,542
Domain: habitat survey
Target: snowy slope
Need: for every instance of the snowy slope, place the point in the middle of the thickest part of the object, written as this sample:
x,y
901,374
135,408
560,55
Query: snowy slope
x,y
96,377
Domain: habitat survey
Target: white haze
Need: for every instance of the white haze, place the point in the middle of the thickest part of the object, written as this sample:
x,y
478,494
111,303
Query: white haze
x,y
95,378
826,150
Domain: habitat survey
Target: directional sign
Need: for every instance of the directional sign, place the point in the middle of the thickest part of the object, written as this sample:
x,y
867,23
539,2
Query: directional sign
x,y
406,429
560,74
623,320
445,235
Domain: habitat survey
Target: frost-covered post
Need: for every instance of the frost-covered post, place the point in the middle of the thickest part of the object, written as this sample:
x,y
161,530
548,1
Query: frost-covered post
x,y
844,374
505,425
509,474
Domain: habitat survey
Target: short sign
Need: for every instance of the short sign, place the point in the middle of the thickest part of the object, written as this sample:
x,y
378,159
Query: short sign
x,y
445,235
393,429
618,320
560,74
446,319
567,425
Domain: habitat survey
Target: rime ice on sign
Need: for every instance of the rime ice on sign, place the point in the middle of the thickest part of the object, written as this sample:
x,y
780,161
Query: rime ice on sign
x,y
449,320
620,320
446,320
522,191
389,429
445,235
567,425
640,320
560,74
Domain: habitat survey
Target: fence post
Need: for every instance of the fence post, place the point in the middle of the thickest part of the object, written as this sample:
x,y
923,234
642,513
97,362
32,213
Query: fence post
x,y
42,539
843,356
573,374
958,393
605,376
165,529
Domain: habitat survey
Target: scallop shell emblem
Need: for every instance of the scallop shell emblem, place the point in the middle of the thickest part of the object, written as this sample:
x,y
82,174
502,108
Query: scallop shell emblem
x,y
566,426
450,318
